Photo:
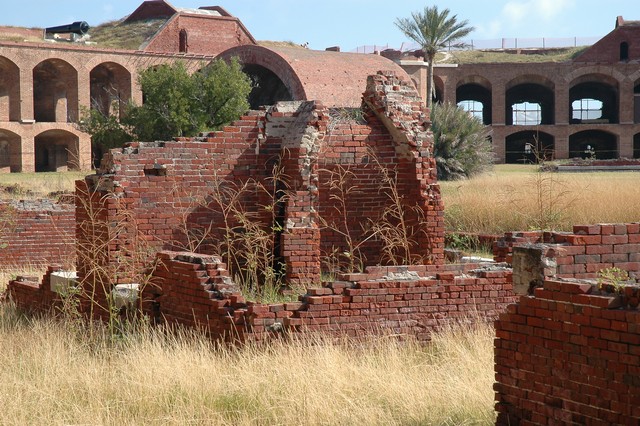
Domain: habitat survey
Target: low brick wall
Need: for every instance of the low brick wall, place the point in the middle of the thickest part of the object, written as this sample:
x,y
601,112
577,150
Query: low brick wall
x,y
37,233
585,251
195,290
568,355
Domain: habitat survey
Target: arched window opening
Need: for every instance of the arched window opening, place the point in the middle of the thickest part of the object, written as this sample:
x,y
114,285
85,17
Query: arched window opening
x,y
624,51
10,152
636,104
593,144
529,103
594,101
529,147
56,151
587,110
527,114
184,46
475,98
474,108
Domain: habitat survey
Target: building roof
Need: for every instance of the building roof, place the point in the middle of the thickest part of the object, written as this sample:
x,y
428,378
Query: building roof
x,y
334,78
154,9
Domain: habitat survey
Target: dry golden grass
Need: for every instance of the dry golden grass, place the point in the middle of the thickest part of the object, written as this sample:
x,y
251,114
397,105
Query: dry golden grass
x,y
517,198
37,185
53,373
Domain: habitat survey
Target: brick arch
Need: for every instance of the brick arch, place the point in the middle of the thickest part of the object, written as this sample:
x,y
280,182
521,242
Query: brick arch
x,y
609,75
335,78
57,150
478,89
474,79
604,144
9,90
110,83
533,89
272,61
10,151
598,86
55,91
536,79
528,146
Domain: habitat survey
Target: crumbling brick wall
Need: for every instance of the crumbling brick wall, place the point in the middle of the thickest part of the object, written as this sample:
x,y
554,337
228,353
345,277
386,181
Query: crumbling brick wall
x,y
583,252
37,233
164,192
567,351
195,290
566,355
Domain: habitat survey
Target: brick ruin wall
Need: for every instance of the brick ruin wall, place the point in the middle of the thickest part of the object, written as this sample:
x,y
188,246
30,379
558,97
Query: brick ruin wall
x,y
36,233
568,352
147,197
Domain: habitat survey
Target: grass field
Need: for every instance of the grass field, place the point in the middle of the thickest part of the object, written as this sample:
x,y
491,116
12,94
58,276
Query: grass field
x,y
56,373
518,198
37,185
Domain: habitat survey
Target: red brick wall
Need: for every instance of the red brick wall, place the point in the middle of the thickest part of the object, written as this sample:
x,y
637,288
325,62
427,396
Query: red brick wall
x,y
607,49
567,356
36,233
585,251
160,190
191,290
206,35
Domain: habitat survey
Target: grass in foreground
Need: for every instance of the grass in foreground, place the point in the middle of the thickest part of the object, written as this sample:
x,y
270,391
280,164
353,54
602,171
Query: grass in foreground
x,y
52,373
518,198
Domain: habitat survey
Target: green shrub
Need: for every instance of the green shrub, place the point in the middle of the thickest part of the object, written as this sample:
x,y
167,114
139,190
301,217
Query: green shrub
x,y
462,146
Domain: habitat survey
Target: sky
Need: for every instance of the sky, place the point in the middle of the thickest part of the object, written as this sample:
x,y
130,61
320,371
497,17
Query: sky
x,y
353,23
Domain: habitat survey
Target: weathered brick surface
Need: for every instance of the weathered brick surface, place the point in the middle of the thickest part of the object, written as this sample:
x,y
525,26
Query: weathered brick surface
x,y
148,197
166,191
567,355
195,290
36,233
583,252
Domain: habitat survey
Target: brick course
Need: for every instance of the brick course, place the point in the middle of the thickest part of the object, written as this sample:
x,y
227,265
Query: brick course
x,y
36,233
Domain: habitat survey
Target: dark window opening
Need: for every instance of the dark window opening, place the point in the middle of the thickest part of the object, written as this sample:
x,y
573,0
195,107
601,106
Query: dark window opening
x,y
184,45
624,51
529,147
266,87
476,99
593,144
530,104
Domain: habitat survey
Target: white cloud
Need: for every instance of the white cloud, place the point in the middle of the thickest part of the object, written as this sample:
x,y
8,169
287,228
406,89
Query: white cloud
x,y
543,11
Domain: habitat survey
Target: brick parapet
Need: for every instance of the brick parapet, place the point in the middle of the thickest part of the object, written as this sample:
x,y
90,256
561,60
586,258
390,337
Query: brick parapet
x,y
568,354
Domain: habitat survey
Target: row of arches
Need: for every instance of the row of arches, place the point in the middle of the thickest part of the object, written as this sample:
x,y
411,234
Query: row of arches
x,y
55,90
531,100
529,146
53,150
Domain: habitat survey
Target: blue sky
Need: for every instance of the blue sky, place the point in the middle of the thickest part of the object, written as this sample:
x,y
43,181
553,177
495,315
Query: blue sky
x,y
352,23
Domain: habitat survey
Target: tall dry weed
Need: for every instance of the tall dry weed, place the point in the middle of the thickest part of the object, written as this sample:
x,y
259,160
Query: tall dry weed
x,y
51,374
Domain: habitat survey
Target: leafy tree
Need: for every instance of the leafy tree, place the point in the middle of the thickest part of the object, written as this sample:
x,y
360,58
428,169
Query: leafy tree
x,y
462,146
176,103
433,30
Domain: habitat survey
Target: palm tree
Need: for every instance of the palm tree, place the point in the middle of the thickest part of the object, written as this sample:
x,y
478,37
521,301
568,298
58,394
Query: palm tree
x,y
434,30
